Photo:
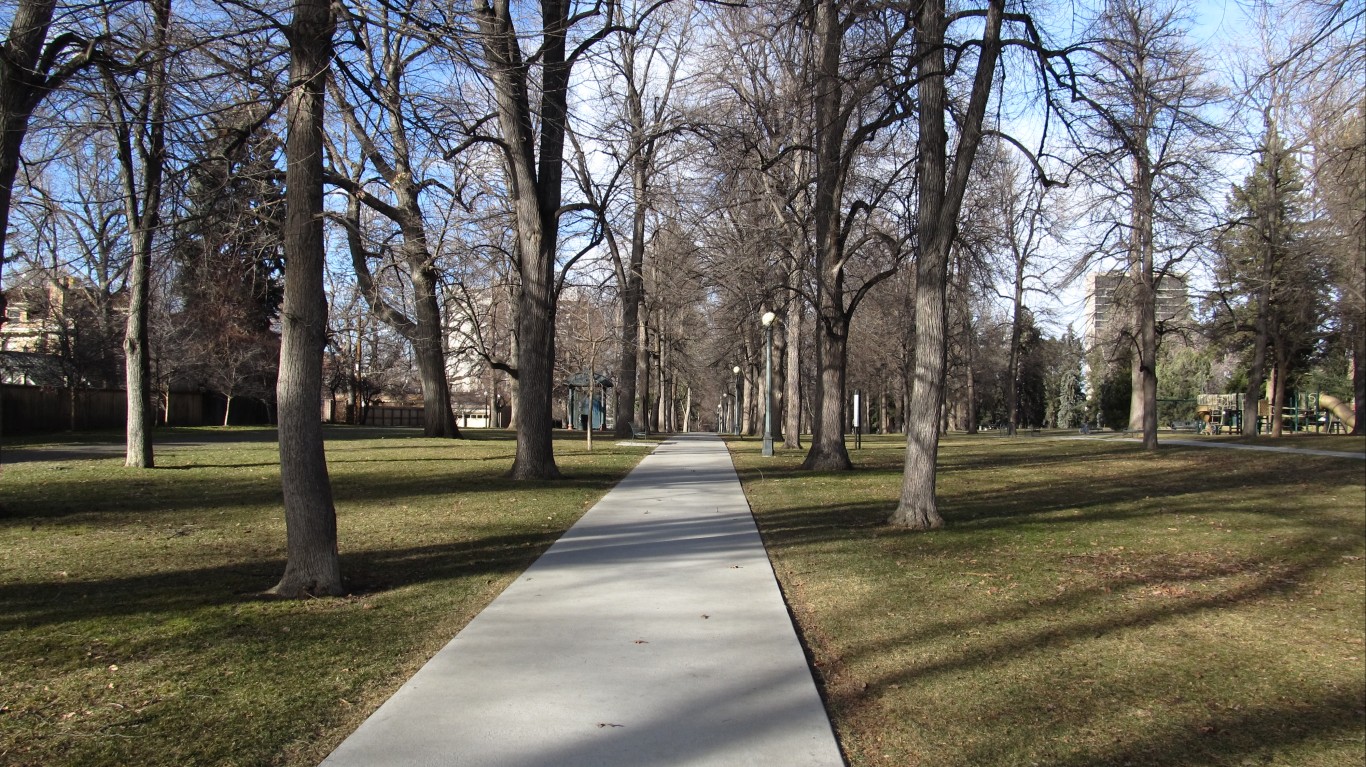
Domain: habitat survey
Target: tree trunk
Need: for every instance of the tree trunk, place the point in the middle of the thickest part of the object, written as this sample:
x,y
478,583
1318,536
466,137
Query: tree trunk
x,y
883,427
971,427
513,389
642,400
535,165
312,567
1143,374
632,298
138,365
941,198
1148,378
22,87
535,457
1013,369
661,387
1278,394
778,350
909,341
687,410
630,343
429,351
1359,376
141,181
673,402
918,508
828,452
1143,368
792,396
1256,374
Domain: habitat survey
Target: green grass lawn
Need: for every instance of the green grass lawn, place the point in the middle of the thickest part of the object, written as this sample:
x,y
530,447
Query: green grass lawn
x,y
1087,604
131,627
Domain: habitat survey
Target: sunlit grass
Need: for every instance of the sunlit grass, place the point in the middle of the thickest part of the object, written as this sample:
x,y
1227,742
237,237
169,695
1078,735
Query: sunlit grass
x,y
133,629
1088,604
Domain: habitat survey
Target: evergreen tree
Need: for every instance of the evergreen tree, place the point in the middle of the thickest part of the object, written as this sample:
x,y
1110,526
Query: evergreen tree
x,y
1273,284
229,255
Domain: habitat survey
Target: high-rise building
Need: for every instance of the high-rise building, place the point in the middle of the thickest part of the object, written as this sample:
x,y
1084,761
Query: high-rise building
x,y
1110,297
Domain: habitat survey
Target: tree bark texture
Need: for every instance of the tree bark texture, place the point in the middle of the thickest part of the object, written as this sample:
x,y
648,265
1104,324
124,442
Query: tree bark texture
x,y
941,198
970,384
23,85
661,386
1143,399
429,350
1013,369
141,140
535,164
828,451
779,351
641,406
1277,398
1359,376
630,344
312,567
633,292
792,396
138,452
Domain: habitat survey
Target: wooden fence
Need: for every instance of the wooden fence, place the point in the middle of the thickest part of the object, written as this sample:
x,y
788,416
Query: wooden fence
x,y
38,409
391,415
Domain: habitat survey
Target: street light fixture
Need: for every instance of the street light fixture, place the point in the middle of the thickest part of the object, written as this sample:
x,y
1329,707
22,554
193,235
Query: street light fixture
x,y
736,371
767,320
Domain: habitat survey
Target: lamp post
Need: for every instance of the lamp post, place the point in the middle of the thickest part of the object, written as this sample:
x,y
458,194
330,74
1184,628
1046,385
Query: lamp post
x,y
736,371
767,320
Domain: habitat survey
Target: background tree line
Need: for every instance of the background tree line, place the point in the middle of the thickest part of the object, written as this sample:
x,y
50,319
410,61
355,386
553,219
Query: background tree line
x,y
283,199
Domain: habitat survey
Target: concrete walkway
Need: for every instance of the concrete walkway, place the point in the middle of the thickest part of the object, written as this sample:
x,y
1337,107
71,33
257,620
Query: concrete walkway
x,y
1163,440
652,633
1265,448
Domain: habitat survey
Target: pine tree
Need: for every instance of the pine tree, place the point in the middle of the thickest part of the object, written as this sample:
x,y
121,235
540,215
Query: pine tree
x,y
229,253
1272,282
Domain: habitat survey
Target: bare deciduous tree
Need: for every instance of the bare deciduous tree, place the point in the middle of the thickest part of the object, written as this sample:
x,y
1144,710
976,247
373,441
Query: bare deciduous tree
x,y
532,139
860,80
313,566
32,65
136,112
943,179
1148,95
392,126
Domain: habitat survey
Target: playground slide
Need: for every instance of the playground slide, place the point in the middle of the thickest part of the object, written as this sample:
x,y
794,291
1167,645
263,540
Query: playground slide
x,y
1339,409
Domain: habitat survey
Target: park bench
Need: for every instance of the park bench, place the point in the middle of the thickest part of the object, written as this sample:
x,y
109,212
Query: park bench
x,y
1195,426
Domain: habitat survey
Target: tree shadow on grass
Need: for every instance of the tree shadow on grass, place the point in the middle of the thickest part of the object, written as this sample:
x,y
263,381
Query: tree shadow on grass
x,y
1301,542
1210,737
31,604
1121,603
200,488
1139,490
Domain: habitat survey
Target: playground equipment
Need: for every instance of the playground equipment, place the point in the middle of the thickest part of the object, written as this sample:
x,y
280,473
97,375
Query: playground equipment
x,y
1220,412
1339,409
1318,411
